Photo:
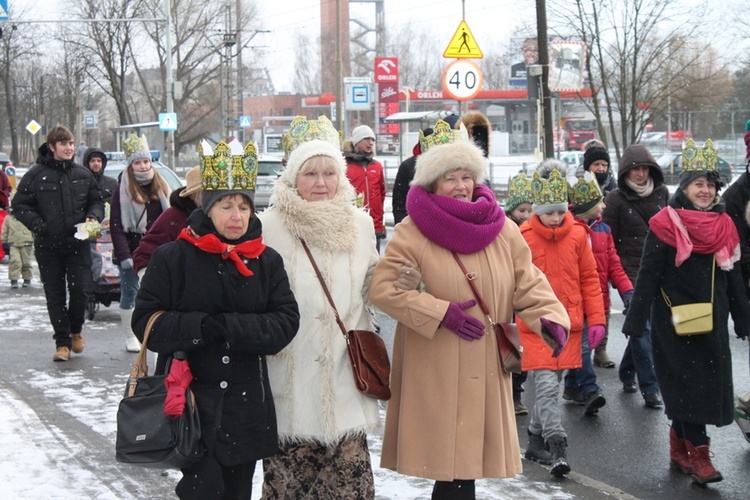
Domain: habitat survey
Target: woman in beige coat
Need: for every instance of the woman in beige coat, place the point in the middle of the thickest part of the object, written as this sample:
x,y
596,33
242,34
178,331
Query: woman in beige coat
x,y
451,416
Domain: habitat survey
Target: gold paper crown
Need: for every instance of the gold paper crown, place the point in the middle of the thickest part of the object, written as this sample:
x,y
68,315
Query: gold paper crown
x,y
549,191
519,187
584,189
228,167
135,145
303,130
695,158
442,133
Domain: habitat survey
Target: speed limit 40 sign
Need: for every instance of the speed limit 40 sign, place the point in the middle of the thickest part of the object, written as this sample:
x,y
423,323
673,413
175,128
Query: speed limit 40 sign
x,y
462,80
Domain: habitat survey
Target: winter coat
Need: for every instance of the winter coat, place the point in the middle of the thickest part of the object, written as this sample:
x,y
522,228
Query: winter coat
x,y
402,183
694,372
737,202
166,228
312,379
5,190
607,261
16,234
451,411
260,317
107,185
366,175
54,196
625,210
564,255
125,243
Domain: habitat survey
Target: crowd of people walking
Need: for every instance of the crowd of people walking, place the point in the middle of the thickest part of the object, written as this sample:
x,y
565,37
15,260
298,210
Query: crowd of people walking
x,y
256,300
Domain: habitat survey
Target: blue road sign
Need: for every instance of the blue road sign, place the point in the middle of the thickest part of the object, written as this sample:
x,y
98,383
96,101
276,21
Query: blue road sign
x,y
167,121
3,10
360,94
245,121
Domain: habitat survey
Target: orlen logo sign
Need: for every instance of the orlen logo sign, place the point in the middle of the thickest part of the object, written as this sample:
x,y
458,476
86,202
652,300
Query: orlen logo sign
x,y
386,69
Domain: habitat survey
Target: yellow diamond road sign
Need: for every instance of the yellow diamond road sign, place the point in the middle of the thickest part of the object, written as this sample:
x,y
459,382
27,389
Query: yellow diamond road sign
x,y
463,44
33,127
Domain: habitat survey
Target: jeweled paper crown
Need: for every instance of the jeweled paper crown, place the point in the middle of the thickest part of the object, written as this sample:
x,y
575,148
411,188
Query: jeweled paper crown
x,y
228,167
695,158
136,146
549,191
303,130
519,186
584,189
442,133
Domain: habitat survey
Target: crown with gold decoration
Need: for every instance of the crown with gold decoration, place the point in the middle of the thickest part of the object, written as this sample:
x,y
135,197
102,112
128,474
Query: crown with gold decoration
x,y
697,159
583,190
519,191
442,133
551,191
228,166
303,130
136,148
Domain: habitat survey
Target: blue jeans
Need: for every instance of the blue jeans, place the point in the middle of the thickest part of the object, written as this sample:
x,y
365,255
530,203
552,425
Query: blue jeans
x,y
638,361
128,288
583,379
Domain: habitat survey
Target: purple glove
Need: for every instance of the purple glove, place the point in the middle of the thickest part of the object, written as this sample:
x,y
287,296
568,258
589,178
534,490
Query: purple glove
x,y
464,325
557,334
596,335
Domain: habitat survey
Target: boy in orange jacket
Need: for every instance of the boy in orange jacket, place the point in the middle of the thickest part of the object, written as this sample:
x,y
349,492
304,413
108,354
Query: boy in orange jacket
x,y
560,248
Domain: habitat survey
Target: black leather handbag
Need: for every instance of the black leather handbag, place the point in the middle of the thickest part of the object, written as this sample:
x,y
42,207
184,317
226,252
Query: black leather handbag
x,y
146,437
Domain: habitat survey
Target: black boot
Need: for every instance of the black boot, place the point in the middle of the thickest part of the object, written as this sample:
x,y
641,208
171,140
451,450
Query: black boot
x,y
460,489
557,445
535,450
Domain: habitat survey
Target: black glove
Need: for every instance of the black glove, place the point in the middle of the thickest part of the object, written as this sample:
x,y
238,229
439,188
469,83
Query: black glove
x,y
626,298
214,330
6,247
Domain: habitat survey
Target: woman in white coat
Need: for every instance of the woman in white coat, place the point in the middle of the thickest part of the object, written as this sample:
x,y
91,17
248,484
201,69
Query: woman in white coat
x,y
322,419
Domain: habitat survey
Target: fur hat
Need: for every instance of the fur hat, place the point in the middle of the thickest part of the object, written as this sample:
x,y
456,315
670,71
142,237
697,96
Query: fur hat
x,y
595,154
192,182
446,158
227,169
360,133
136,148
307,150
546,167
479,129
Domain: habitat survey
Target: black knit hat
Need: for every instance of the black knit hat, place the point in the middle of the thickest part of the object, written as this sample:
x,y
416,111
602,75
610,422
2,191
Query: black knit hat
x,y
594,154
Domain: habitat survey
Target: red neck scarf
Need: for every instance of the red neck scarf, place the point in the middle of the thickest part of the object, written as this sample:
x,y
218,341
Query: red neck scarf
x,y
210,243
701,232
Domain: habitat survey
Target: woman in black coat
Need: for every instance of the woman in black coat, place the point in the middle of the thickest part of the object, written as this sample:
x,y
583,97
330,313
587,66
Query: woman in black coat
x,y
228,304
689,255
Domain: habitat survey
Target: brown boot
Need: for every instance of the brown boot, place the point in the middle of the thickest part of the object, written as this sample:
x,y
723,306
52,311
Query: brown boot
x,y
61,354
678,455
703,470
78,343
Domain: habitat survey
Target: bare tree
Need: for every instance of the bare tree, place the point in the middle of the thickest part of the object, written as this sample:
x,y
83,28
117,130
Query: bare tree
x,y
418,68
640,56
307,79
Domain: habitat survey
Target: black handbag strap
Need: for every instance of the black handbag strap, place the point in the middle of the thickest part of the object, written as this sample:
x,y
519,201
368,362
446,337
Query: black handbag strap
x,y
325,288
470,277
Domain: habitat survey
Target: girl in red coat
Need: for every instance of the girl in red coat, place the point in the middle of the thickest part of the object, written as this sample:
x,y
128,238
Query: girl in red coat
x,y
560,248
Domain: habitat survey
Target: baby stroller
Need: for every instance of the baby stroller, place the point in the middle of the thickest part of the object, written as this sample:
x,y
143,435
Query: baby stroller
x,y
105,274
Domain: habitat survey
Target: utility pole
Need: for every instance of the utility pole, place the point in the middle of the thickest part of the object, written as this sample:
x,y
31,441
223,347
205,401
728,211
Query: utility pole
x,y
339,73
546,100
169,79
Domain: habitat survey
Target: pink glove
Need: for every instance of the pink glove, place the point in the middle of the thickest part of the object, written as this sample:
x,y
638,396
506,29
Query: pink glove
x,y
557,334
596,335
464,325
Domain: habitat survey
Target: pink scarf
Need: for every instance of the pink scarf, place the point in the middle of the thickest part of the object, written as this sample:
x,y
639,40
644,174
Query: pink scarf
x,y
705,233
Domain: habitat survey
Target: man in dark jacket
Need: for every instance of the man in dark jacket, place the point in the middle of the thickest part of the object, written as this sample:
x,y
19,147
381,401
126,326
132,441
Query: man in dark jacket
x,y
52,197
640,194
96,161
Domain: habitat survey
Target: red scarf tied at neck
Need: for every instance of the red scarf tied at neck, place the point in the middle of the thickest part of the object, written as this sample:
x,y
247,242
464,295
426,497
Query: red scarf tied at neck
x,y
210,243
701,232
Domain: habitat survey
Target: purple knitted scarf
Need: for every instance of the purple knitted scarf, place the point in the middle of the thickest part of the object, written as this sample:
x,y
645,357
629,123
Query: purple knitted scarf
x,y
453,224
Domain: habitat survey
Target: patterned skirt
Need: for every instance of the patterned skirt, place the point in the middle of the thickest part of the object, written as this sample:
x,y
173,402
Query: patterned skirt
x,y
313,471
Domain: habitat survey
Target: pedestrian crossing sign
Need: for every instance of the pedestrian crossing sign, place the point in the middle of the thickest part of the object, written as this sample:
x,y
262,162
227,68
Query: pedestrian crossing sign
x,y
3,10
167,122
463,44
245,121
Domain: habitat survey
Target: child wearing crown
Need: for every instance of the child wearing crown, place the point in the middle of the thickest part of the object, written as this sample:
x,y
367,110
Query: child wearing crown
x,y
560,248
587,204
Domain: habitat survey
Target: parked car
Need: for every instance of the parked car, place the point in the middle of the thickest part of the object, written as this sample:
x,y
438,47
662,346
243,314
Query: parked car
x,y
115,167
671,165
269,169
